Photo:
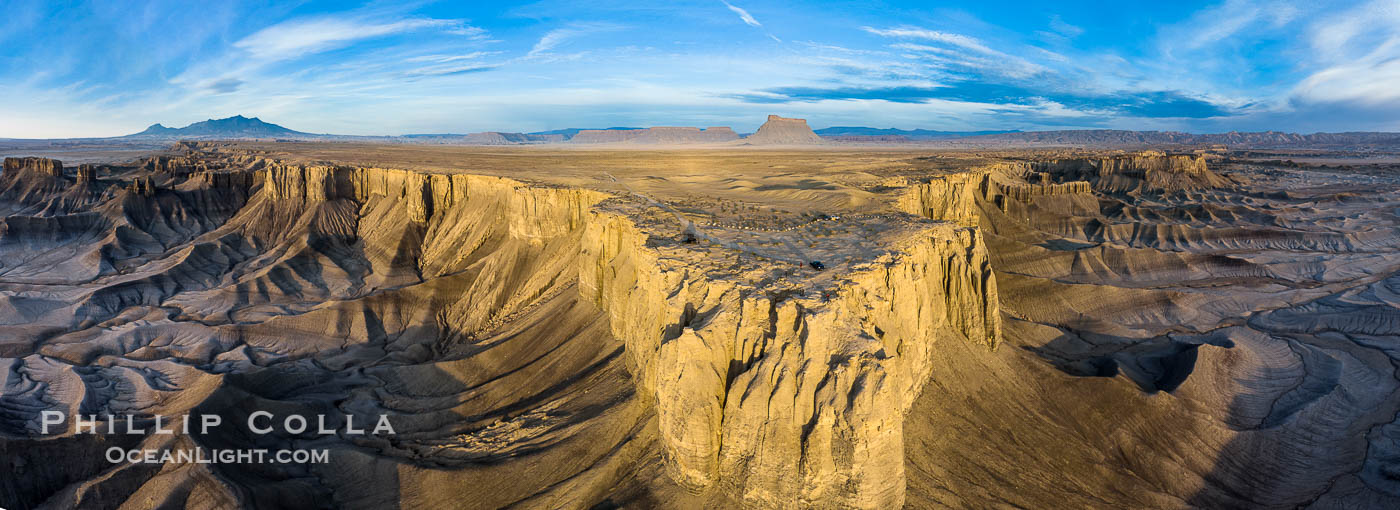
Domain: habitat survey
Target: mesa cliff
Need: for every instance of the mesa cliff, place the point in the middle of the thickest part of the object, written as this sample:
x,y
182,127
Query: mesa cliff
x,y
1149,171
790,395
784,131
768,383
45,166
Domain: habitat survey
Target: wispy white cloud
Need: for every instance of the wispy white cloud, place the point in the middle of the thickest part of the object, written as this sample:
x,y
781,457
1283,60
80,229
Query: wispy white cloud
x,y
1065,29
444,70
451,58
554,38
1358,50
297,37
743,14
469,31
1207,28
932,35
982,58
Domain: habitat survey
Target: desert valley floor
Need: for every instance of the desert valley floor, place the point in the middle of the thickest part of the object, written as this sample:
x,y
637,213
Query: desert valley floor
x,y
834,327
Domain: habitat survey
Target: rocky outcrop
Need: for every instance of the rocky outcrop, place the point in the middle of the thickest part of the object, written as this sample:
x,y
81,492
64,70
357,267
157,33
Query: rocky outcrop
x,y
1149,171
308,184
175,165
946,197
766,395
784,131
766,392
240,180
142,186
1028,192
421,194
86,174
44,166
657,135
787,397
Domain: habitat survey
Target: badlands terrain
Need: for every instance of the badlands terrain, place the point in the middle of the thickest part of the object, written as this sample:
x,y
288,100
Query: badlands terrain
x,y
737,327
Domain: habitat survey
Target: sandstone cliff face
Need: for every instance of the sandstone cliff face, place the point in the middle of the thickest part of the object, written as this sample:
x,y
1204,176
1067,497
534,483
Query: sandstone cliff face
x,y
784,131
765,396
1028,192
947,198
423,194
174,165
1150,171
236,180
791,398
772,385
45,166
86,174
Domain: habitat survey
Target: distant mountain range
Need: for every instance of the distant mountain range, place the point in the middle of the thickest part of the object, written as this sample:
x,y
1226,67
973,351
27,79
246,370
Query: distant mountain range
x,y
237,126
912,134
240,127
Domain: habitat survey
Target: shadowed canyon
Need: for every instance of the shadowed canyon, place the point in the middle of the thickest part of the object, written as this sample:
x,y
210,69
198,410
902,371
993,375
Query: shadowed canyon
x,y
722,327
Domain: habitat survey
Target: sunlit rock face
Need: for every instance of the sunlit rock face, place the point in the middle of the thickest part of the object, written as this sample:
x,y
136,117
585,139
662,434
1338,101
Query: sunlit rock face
x,y
1142,330
239,283
1178,333
796,392
44,166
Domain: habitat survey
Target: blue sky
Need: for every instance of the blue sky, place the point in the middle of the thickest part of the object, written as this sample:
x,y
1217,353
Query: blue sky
x,y
110,68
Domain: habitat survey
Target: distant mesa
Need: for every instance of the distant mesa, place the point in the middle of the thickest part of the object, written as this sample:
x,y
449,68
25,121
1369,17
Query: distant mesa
x,y
237,126
784,131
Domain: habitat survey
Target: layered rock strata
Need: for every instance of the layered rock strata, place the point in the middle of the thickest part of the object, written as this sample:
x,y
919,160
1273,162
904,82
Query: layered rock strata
x,y
789,394
771,384
45,166
946,197
751,383
1149,171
